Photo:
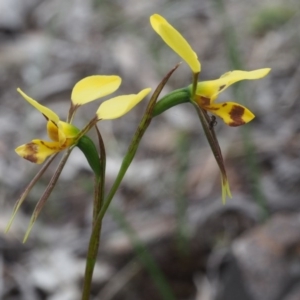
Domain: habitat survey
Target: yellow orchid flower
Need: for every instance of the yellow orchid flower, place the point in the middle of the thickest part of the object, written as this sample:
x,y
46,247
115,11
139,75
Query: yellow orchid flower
x,y
203,94
64,134
233,114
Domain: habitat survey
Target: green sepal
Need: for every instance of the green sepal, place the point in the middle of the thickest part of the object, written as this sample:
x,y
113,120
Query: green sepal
x,y
174,98
87,146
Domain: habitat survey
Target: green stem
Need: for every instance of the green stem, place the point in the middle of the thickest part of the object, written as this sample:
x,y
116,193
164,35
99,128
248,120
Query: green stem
x,y
91,260
96,231
97,220
172,99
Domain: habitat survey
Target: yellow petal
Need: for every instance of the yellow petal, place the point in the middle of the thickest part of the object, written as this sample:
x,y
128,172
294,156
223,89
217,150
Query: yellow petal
x,y
51,115
55,133
175,41
233,114
119,106
37,150
52,131
212,88
94,87
61,132
61,137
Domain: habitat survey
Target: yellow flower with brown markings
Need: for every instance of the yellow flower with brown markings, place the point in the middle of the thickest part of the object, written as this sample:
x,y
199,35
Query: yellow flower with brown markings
x,y
63,134
204,93
233,114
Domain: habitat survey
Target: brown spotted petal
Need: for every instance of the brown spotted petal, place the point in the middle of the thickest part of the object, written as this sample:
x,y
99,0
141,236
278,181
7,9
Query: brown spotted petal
x,y
37,150
233,114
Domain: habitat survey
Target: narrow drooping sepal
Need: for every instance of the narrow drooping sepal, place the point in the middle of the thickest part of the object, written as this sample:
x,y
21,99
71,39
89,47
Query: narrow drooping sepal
x,y
215,147
42,201
27,191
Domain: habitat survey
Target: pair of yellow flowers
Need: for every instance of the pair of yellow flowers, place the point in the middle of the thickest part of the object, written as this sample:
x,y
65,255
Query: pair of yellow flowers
x,y
64,134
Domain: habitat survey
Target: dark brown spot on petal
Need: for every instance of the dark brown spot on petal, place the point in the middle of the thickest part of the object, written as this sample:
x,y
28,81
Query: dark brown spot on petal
x,y
32,158
205,101
224,104
236,115
235,124
221,87
202,101
32,150
32,147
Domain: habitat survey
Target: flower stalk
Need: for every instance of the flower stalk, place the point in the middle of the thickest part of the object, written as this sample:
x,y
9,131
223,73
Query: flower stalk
x,y
101,208
96,227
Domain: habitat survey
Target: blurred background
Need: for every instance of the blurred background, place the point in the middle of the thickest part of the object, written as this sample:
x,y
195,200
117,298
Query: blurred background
x,y
168,235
